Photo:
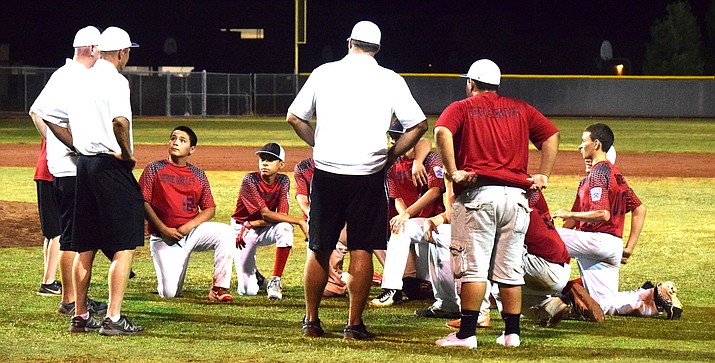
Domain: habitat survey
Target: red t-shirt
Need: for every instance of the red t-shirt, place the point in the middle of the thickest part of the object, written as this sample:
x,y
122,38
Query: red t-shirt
x,y
175,193
399,182
541,238
605,188
41,170
491,136
303,175
256,194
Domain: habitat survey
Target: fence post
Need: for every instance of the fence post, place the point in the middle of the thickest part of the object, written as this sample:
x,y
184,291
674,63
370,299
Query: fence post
x,y
168,94
203,93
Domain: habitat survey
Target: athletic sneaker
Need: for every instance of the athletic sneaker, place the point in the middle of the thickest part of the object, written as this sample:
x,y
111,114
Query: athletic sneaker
x,y
121,327
356,332
483,322
510,341
52,289
312,329
387,297
451,340
93,306
434,312
274,289
80,325
220,294
552,312
665,299
584,305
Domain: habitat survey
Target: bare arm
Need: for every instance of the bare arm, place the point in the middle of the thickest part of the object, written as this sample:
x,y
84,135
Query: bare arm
x,y
120,126
302,128
39,124
303,203
204,216
153,219
593,216
419,173
445,146
549,149
407,141
637,222
398,221
61,133
275,217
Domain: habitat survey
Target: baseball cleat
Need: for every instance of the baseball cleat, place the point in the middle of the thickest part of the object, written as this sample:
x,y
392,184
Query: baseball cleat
x,y
552,312
451,340
585,306
275,290
666,299
220,294
387,297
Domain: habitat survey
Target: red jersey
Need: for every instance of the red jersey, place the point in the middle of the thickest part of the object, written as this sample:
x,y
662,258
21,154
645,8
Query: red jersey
x,y
541,238
175,193
491,134
605,188
399,183
41,170
303,176
256,194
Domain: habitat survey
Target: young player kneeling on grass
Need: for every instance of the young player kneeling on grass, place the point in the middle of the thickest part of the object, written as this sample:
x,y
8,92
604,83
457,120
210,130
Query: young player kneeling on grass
x,y
261,219
178,205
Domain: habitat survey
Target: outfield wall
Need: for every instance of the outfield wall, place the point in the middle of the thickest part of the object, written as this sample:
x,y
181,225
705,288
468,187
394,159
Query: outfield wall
x,y
584,95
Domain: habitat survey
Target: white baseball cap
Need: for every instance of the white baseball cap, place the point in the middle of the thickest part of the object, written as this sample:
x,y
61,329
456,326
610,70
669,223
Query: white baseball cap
x,y
114,38
611,155
485,71
86,36
366,31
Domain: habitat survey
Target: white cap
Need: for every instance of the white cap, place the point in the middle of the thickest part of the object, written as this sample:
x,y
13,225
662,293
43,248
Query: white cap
x,y
114,38
484,71
366,31
86,36
611,155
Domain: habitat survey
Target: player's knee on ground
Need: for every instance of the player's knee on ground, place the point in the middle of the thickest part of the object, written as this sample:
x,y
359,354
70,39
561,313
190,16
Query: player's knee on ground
x,y
284,235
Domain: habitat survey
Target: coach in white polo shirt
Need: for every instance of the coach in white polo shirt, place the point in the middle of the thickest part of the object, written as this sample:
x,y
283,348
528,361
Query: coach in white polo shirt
x,y
50,110
355,100
109,211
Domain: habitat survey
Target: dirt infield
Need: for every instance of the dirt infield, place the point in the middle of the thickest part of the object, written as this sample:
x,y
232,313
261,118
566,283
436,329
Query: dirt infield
x,y
20,220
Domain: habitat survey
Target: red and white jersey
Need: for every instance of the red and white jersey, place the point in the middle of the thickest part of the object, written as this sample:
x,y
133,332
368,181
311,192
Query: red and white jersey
x,y
399,183
255,194
42,172
605,188
491,134
541,238
175,193
303,175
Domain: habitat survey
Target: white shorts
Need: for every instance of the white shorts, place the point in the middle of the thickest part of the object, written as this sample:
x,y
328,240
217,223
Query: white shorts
x,y
489,221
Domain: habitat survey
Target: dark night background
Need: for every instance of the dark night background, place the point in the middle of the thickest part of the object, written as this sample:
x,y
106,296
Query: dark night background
x,y
523,37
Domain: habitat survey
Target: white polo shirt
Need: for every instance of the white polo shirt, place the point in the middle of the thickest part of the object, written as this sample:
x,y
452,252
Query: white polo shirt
x,y
354,100
102,95
51,105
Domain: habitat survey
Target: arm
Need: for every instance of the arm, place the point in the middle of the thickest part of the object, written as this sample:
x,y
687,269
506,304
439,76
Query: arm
x,y
303,203
407,141
270,216
593,216
120,126
637,222
39,124
445,146
549,149
397,222
302,128
419,174
204,216
153,219
64,134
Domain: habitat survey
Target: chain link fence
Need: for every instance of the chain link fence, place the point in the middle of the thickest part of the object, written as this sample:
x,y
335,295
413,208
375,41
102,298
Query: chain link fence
x,y
170,93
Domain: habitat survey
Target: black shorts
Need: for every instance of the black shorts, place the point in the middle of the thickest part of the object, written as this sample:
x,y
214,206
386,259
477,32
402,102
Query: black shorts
x,y
47,208
109,207
65,190
359,200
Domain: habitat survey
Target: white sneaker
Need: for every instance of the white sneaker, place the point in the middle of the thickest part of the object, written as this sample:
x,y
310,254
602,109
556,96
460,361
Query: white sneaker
x,y
274,289
451,340
511,340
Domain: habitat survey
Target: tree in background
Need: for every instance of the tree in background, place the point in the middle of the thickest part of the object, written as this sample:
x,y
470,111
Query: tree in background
x,y
710,39
675,47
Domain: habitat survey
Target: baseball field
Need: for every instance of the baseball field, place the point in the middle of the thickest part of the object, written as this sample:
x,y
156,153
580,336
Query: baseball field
x,y
669,163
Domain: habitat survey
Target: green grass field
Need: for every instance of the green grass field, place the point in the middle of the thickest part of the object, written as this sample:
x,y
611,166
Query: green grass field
x,y
677,243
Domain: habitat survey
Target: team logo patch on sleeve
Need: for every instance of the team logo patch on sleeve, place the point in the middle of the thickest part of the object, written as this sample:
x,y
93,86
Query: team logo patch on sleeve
x,y
438,172
596,193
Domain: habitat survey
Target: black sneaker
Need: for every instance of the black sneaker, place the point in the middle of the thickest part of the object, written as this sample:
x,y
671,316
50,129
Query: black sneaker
x,y
81,325
356,332
433,312
387,297
121,327
93,306
312,329
52,289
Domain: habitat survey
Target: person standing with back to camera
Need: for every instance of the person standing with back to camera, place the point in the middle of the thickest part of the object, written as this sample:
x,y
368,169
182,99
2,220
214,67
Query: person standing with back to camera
x,y
484,143
355,99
